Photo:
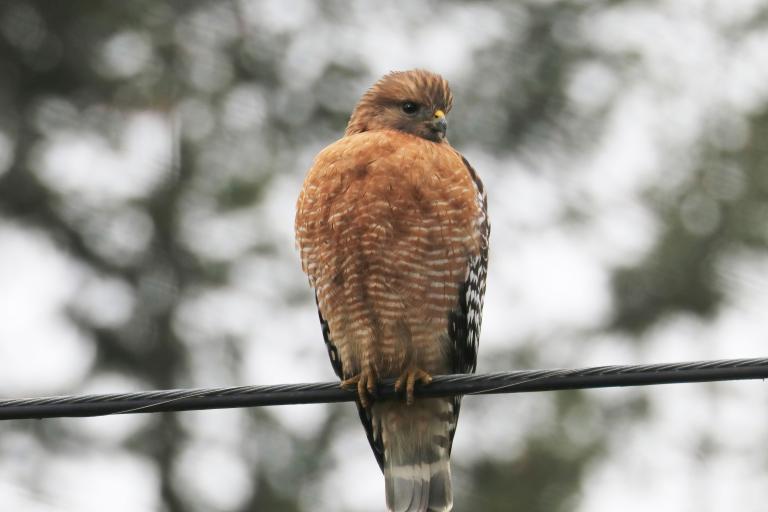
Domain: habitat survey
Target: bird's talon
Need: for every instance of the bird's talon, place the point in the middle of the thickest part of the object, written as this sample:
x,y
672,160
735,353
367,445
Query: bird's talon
x,y
409,378
365,383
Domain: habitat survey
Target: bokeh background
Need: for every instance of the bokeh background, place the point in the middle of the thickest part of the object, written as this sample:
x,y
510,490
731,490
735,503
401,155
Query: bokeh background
x,y
150,156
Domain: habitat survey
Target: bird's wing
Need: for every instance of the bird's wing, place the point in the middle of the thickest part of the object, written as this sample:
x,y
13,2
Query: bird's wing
x,y
365,413
466,318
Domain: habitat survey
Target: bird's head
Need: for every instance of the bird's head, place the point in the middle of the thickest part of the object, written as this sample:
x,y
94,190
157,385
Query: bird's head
x,y
414,102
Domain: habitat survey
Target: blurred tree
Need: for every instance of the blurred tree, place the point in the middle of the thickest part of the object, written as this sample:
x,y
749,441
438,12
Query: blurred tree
x,y
239,99
715,216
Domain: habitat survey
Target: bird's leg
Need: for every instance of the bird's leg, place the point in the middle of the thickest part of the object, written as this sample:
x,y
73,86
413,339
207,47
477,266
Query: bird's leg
x,y
365,382
409,378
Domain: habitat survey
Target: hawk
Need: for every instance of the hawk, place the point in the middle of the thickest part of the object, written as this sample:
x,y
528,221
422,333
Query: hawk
x,y
392,231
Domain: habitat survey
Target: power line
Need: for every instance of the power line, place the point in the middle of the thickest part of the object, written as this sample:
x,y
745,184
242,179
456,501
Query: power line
x,y
442,385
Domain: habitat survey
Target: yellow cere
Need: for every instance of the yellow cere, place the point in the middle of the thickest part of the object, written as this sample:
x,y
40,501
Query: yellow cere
x,y
439,114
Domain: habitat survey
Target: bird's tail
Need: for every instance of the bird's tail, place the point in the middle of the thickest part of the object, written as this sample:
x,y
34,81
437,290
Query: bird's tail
x,y
416,441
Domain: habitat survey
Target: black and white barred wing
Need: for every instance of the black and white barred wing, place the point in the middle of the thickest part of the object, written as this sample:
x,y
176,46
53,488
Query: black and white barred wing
x,y
465,320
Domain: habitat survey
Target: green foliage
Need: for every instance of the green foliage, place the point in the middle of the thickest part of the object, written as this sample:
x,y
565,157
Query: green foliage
x,y
707,221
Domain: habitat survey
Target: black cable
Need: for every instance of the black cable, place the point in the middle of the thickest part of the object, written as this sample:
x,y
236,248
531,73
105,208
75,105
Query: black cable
x,y
442,385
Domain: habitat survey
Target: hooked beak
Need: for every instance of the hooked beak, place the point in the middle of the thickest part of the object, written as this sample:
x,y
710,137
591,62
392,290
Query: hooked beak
x,y
439,124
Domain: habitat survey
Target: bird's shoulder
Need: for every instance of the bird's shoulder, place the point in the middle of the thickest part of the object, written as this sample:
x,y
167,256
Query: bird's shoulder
x,y
393,167
383,148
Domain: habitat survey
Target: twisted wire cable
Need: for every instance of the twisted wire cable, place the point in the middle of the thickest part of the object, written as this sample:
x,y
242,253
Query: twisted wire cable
x,y
325,392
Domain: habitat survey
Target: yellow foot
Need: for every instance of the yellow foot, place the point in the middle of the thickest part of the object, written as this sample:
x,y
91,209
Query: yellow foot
x,y
365,382
408,379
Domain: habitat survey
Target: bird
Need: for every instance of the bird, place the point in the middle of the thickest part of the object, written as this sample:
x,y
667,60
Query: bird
x,y
392,230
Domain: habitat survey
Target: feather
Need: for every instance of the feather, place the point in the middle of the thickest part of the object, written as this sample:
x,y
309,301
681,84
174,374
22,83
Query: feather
x,y
392,229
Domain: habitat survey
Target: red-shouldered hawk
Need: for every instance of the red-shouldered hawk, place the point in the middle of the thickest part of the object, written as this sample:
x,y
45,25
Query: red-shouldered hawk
x,y
392,229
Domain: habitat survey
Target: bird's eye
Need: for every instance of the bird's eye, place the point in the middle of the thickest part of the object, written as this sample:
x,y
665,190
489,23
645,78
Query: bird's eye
x,y
410,107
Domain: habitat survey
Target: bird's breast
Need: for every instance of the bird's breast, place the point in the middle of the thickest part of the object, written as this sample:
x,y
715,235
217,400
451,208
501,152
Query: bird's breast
x,y
384,230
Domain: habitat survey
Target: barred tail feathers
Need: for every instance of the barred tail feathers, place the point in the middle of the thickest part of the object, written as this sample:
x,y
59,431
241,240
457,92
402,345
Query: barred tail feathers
x,y
416,441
